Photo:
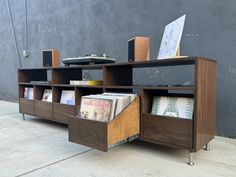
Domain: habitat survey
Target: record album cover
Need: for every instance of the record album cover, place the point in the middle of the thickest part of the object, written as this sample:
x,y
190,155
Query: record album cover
x,y
68,97
47,95
29,93
173,107
95,109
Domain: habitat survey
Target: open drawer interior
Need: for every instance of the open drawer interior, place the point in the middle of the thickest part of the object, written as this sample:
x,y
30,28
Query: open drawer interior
x,y
101,135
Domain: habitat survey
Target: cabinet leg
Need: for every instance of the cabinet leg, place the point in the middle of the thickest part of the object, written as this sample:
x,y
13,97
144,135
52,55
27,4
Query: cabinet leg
x,y
191,163
207,147
23,116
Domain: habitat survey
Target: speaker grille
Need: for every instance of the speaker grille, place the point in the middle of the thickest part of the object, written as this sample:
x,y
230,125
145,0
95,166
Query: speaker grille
x,y
47,58
131,50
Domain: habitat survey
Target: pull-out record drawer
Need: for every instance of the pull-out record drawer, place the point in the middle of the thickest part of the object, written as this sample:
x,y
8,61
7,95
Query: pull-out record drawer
x,y
62,112
43,109
168,130
26,106
101,135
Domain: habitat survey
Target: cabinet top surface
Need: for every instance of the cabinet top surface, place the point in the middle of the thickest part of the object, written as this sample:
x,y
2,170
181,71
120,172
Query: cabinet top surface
x,y
139,64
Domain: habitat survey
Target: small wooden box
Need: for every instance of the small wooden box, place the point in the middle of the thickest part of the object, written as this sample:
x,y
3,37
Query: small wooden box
x,y
139,49
51,58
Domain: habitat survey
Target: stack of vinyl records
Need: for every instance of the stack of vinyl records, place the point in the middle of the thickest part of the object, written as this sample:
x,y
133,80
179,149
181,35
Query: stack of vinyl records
x,y
104,107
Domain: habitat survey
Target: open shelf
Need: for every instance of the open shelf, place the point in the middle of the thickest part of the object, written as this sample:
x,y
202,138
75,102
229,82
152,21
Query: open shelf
x,y
61,112
118,76
42,108
149,93
64,75
26,106
150,87
25,76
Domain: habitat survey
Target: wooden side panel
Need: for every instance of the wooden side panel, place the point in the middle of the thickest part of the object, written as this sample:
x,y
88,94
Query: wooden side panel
x,y
205,82
88,132
26,106
62,112
168,131
55,58
126,124
43,109
142,49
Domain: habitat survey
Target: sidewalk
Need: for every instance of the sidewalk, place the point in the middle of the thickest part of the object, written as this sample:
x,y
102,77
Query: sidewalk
x,y
40,148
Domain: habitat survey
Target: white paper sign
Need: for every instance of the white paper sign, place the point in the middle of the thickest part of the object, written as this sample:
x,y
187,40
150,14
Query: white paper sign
x,y
171,38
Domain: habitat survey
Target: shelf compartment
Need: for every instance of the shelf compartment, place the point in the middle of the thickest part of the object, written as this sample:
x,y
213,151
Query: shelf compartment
x,y
101,135
168,130
43,109
64,75
148,94
118,75
27,75
39,91
26,106
61,112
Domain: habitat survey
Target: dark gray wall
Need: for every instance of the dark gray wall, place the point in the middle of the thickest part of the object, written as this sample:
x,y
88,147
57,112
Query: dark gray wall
x,y
78,27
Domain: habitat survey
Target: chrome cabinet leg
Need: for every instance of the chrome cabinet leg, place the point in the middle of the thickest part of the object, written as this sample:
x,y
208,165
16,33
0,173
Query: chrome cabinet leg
x,y
207,147
190,162
23,116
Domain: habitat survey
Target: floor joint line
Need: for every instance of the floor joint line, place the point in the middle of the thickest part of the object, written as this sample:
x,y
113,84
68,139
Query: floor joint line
x,y
53,163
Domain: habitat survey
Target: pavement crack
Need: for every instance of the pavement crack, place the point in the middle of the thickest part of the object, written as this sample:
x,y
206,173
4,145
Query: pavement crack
x,y
8,113
50,164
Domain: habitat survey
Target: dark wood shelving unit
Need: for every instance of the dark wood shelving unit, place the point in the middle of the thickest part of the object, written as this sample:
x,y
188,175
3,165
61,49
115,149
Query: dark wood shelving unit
x,y
189,134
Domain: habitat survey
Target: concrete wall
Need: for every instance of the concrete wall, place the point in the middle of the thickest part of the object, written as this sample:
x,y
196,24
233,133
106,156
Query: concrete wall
x,y
78,27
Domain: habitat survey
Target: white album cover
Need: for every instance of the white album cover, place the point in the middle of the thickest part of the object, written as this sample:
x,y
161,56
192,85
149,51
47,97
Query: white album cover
x,y
171,38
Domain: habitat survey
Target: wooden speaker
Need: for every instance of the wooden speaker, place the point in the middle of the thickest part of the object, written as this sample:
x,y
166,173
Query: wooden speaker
x,y
138,49
51,58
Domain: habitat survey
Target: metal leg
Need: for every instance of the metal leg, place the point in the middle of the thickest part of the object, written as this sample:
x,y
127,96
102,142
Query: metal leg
x,y
207,147
23,116
191,163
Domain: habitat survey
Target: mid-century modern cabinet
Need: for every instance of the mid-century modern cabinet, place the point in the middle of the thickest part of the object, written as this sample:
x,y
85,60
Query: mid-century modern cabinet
x,y
135,121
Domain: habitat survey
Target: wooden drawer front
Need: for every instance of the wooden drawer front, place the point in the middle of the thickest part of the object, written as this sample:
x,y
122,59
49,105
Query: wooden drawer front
x,y
43,109
89,133
100,135
61,112
26,106
167,130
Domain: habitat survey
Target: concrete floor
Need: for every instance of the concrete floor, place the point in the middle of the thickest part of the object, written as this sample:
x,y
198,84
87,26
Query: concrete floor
x,y
40,148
